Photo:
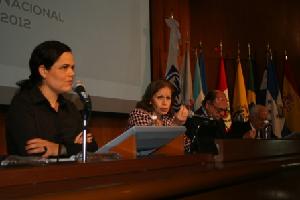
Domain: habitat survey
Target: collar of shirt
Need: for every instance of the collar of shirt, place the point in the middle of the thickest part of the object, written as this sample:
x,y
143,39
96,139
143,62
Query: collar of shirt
x,y
38,97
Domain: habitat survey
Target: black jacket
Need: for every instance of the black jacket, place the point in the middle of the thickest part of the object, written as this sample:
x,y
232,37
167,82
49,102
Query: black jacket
x,y
31,116
202,131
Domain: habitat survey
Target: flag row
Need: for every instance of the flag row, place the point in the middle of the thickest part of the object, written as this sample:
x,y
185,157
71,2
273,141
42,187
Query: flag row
x,y
284,110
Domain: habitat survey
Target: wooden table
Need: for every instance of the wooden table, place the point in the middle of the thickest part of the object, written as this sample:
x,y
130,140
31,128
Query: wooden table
x,y
180,177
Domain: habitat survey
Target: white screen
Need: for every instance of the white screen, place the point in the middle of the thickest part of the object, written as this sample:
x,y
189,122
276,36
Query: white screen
x,y
110,40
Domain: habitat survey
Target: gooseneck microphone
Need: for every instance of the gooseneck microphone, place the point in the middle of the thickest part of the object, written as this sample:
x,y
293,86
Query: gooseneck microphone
x,y
192,114
84,97
80,90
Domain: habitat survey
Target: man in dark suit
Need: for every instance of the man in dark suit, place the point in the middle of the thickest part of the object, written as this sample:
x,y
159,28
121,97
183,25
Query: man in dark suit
x,y
255,126
207,123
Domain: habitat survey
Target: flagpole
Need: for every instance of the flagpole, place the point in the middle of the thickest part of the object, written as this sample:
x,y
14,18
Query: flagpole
x,y
249,51
202,68
285,55
238,52
251,95
221,48
200,46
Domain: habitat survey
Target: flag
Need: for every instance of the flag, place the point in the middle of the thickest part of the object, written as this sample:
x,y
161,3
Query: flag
x,y
240,104
172,72
261,95
273,99
202,72
198,89
174,78
186,80
173,43
251,96
291,100
222,86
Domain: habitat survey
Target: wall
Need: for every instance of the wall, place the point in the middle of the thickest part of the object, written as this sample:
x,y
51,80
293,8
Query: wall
x,y
232,22
258,22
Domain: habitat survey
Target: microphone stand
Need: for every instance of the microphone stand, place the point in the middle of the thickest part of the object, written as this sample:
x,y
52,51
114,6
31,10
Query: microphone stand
x,y
84,136
86,115
84,97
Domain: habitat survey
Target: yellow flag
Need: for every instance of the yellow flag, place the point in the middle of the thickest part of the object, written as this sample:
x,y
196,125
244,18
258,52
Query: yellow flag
x,y
291,101
240,104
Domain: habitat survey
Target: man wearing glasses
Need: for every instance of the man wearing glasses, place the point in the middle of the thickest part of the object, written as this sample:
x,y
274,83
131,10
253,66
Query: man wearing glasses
x,y
214,105
207,123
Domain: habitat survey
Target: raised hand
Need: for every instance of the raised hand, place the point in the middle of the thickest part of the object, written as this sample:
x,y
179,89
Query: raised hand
x,y
181,115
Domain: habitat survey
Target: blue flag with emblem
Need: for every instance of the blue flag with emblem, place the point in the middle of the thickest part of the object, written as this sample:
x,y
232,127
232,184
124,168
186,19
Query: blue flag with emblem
x,y
273,99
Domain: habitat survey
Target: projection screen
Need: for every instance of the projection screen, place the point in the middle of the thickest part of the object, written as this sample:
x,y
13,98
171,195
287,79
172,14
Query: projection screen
x,y
110,40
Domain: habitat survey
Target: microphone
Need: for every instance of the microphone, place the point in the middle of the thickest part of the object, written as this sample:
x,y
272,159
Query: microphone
x,y
192,114
202,120
84,97
267,123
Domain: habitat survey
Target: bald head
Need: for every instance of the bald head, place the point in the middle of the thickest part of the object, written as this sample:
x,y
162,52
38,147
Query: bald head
x,y
258,115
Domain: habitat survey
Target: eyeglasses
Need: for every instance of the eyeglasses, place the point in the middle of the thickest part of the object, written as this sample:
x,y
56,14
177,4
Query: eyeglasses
x,y
220,110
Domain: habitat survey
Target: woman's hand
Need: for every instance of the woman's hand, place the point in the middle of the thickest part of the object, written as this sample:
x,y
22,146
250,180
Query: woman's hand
x,y
38,145
181,115
79,138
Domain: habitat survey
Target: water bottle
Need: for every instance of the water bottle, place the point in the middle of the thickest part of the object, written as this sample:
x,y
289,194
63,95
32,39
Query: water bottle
x,y
258,134
267,130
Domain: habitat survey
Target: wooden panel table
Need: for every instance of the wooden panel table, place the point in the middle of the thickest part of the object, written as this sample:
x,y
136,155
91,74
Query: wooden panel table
x,y
149,178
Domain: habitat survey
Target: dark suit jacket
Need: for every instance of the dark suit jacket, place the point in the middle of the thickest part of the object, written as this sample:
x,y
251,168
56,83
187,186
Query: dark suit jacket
x,y
238,129
202,131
